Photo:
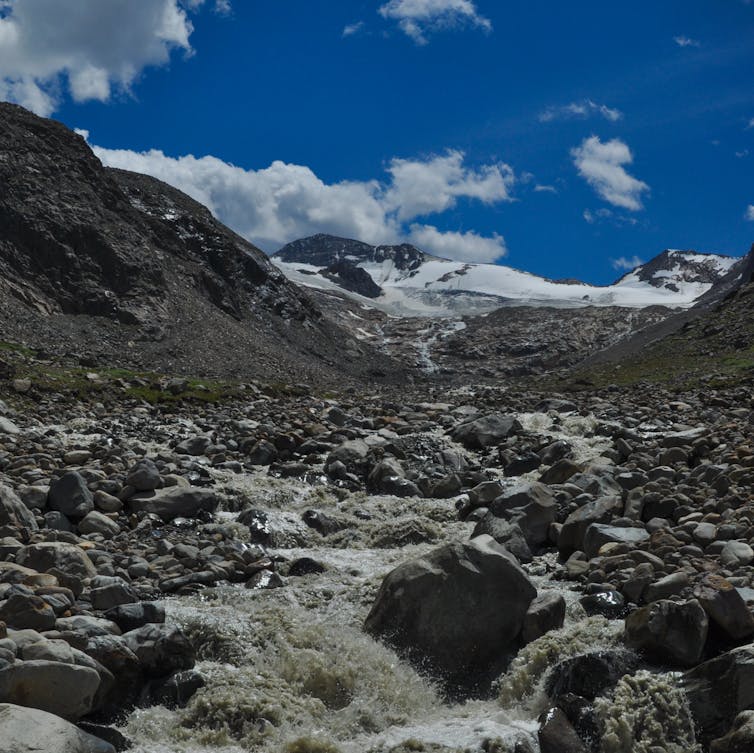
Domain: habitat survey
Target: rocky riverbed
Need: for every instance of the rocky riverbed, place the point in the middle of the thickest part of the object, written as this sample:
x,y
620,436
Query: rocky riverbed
x,y
476,569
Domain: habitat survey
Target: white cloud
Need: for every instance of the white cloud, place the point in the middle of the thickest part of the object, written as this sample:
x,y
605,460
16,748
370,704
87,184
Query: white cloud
x,y
282,202
89,47
750,213
750,124
627,264
418,18
583,109
743,153
683,41
601,165
460,246
426,187
545,188
350,29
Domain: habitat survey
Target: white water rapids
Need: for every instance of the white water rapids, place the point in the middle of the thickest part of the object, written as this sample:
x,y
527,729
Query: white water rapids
x,y
289,670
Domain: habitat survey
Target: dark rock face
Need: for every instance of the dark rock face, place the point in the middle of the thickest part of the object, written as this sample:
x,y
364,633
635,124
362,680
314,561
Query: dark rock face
x,y
353,278
84,249
327,250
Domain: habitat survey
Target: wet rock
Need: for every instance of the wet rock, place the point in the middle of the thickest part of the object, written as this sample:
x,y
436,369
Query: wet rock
x,y
257,521
123,689
557,735
486,431
667,586
560,472
719,689
482,494
669,632
71,496
590,674
323,523
609,604
132,616
65,690
177,690
305,566
521,464
24,730
558,405
740,739
174,502
455,611
194,446
545,613
161,650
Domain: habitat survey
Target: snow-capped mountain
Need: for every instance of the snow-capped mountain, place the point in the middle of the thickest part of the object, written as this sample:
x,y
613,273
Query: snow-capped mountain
x,y
414,283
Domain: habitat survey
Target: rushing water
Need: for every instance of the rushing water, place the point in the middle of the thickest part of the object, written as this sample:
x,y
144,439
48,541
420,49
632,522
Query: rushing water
x,y
289,670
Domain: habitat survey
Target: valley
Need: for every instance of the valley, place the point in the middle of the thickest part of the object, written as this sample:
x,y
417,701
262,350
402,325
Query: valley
x,y
357,498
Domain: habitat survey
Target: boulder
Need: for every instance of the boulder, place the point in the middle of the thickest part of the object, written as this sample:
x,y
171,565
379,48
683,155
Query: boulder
x,y
740,739
669,632
725,606
601,510
25,730
599,534
97,522
720,689
591,674
22,611
59,556
66,690
161,650
174,502
532,506
455,612
736,554
557,735
70,495
486,431
506,533
144,476
545,613
13,512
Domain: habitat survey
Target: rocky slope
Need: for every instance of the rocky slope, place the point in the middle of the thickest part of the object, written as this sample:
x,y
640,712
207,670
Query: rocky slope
x,y
125,270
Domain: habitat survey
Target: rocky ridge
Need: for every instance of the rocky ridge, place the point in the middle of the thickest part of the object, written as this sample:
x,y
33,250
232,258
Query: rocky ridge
x,y
124,270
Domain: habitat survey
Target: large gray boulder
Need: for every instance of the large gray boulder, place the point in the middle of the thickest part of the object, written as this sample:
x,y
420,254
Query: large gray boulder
x,y
70,495
669,632
66,690
13,512
720,689
455,612
25,730
599,534
57,555
532,506
174,502
486,431
601,510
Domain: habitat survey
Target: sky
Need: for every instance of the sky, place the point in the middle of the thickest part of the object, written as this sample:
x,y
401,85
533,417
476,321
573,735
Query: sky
x,y
572,140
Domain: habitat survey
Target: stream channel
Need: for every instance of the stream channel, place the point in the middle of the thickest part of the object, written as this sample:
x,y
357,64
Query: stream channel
x,y
290,670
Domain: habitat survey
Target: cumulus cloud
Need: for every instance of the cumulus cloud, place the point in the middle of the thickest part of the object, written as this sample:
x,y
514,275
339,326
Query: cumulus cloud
x,y
87,47
282,202
583,109
683,41
419,18
466,246
426,187
601,165
750,213
626,265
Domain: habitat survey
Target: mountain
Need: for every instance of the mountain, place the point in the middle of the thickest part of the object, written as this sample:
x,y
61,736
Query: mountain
x,y
127,270
415,283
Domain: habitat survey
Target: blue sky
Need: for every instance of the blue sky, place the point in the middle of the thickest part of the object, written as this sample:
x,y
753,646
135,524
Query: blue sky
x,y
570,137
